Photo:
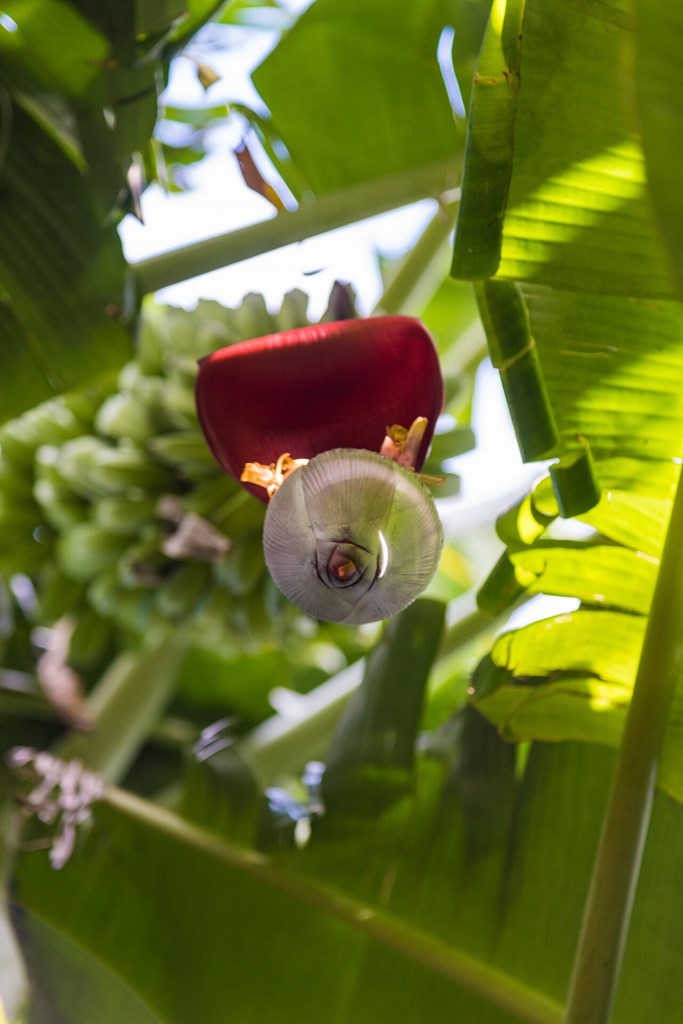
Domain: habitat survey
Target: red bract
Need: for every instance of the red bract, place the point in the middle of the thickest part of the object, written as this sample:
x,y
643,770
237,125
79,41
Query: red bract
x,y
306,391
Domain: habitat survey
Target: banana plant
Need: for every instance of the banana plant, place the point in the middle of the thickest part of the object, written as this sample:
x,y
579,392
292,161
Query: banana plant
x,y
459,822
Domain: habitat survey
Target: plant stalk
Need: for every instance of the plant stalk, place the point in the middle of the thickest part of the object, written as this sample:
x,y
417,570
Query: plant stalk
x,y
127,703
617,865
426,261
313,218
280,745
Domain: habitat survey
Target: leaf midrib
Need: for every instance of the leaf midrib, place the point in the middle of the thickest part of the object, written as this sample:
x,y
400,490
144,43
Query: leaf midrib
x,y
497,987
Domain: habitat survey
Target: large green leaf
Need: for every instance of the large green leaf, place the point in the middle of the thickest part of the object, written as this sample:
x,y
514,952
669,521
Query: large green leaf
x,y
435,883
354,957
473,913
576,230
370,764
223,944
611,366
658,29
601,575
577,213
356,105
43,43
61,274
78,99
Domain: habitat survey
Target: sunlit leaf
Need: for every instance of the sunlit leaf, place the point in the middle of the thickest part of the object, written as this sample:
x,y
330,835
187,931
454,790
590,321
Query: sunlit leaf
x,y
488,163
599,575
658,28
578,215
577,234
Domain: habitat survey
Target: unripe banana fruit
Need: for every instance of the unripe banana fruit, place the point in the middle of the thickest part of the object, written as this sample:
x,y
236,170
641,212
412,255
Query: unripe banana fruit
x,y
94,487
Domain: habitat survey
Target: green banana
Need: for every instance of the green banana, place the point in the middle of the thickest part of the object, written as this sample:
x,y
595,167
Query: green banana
x,y
149,391
84,404
105,593
52,422
252,318
59,595
87,549
242,568
130,375
293,311
216,327
91,640
46,465
179,595
182,448
125,416
178,406
61,508
75,463
127,515
117,470
143,564
183,370
212,493
93,483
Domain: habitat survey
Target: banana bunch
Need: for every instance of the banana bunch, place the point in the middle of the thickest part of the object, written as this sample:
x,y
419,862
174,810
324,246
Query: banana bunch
x,y
112,504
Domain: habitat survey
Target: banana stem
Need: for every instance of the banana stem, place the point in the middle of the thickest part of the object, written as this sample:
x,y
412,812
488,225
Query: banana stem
x,y
313,218
424,266
281,744
127,704
615,874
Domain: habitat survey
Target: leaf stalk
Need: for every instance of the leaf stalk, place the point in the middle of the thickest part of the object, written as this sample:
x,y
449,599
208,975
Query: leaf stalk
x,y
613,884
313,218
280,745
425,265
